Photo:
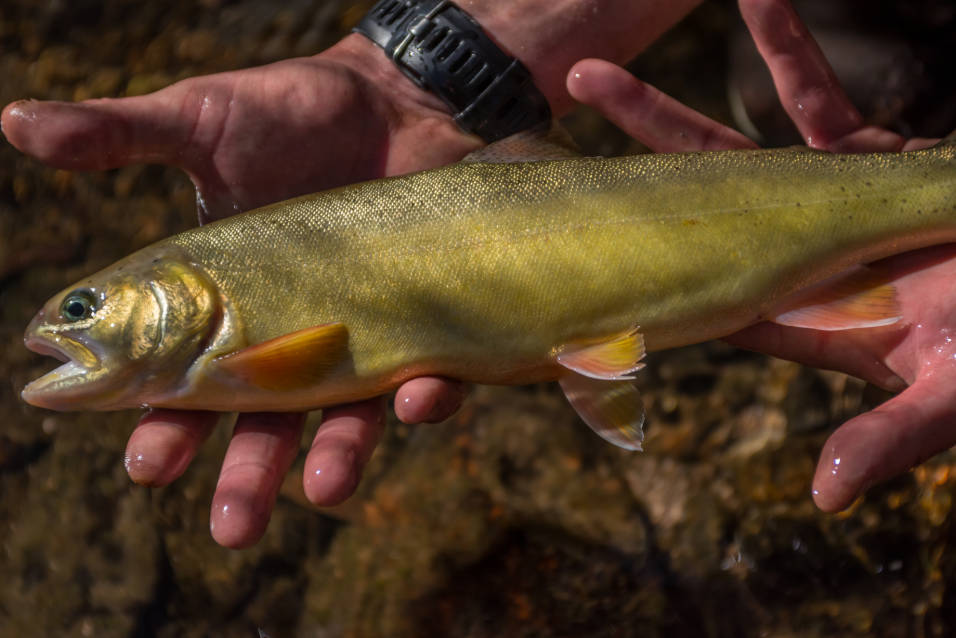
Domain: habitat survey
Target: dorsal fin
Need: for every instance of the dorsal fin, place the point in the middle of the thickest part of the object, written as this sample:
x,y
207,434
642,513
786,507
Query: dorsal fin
x,y
532,145
949,140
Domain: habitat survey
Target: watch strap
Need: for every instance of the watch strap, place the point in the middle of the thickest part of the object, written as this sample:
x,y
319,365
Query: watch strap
x,y
442,49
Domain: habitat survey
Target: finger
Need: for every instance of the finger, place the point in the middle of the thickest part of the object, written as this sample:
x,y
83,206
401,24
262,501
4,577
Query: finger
x,y
887,441
428,399
164,443
659,121
806,84
859,354
341,448
262,448
106,133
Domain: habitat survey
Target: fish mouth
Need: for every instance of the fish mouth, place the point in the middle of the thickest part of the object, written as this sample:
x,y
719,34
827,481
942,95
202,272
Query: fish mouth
x,y
59,388
46,348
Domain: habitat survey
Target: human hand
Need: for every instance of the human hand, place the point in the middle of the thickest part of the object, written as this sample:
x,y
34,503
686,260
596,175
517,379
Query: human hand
x,y
247,138
259,135
917,356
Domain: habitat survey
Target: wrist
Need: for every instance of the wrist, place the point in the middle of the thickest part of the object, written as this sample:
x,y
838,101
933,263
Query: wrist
x,y
365,58
547,36
550,36
419,128
444,50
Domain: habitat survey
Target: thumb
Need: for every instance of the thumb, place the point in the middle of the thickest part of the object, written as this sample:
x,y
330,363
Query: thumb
x,y
101,134
887,441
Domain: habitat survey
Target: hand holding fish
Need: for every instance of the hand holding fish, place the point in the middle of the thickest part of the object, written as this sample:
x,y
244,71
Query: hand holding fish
x,y
917,423
242,152
259,135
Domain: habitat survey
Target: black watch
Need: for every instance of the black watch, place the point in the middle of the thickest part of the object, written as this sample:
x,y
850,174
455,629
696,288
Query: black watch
x,y
442,49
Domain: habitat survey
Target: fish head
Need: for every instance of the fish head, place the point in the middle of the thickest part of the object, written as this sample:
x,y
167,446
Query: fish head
x,y
125,335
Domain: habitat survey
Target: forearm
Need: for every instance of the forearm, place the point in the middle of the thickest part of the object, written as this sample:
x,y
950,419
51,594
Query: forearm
x,y
549,36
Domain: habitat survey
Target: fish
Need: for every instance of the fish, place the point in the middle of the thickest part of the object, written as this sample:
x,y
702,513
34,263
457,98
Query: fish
x,y
494,272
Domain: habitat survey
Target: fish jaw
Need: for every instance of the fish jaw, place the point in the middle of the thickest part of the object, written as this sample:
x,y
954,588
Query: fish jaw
x,y
150,316
69,384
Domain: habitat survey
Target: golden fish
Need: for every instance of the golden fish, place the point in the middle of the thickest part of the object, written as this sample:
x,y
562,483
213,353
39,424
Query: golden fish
x,y
493,273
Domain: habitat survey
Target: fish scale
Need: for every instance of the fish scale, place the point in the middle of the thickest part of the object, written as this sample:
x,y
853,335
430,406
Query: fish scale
x,y
483,271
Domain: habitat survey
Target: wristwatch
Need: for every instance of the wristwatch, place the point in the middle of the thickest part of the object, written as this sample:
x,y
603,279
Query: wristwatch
x,y
442,49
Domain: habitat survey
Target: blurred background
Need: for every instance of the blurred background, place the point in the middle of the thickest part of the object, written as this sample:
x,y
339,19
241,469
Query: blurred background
x,y
511,519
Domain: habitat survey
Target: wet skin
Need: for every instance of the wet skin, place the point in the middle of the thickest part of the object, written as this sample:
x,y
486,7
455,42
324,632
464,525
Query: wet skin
x,y
239,136
917,359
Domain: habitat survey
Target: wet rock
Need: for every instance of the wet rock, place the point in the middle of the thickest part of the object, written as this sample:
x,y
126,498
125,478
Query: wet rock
x,y
542,583
807,402
510,519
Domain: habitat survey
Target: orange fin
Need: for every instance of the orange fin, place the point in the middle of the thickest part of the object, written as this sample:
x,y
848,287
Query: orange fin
x,y
859,298
613,409
614,358
295,360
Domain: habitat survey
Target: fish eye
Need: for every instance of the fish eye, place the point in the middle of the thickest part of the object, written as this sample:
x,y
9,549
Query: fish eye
x,y
78,305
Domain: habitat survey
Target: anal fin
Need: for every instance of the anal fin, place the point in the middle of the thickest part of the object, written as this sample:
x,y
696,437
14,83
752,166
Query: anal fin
x,y
295,360
613,409
858,298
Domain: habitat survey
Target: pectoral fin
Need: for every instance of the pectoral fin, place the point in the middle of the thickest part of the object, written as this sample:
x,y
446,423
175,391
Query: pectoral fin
x,y
859,298
613,409
295,360
613,358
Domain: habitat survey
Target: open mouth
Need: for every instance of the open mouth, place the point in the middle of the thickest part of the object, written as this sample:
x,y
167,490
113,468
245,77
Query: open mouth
x,y
63,382
44,347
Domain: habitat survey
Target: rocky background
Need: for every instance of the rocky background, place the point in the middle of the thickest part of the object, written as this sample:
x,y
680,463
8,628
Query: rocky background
x,y
511,519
